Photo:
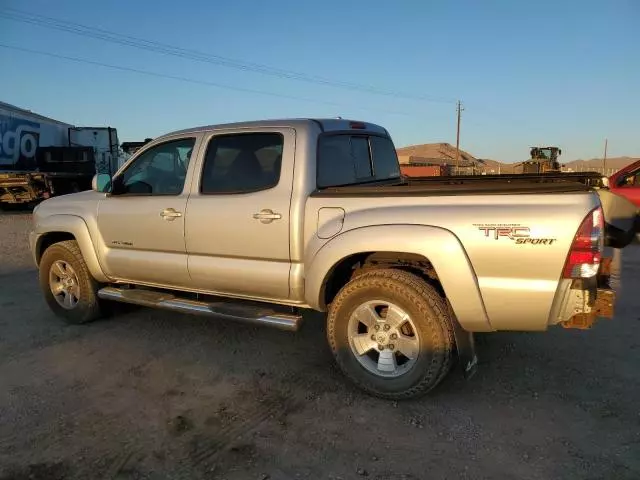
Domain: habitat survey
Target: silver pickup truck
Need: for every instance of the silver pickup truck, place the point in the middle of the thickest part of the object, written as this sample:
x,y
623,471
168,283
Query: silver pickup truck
x,y
259,221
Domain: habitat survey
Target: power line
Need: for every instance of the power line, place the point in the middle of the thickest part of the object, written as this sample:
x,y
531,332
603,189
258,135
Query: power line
x,y
167,49
195,81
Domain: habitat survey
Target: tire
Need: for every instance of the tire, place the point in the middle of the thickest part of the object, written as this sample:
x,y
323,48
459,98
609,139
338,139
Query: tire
x,y
83,287
426,334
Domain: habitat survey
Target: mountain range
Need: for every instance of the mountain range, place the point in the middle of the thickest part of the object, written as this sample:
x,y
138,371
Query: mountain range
x,y
594,164
438,153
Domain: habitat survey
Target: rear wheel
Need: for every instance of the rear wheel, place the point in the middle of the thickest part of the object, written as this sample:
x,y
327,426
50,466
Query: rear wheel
x,y
390,334
68,287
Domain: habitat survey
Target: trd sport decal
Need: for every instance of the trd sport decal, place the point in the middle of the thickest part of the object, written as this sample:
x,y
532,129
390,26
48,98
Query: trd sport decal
x,y
513,231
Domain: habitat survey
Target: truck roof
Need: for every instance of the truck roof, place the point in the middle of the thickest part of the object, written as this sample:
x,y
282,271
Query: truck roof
x,y
325,125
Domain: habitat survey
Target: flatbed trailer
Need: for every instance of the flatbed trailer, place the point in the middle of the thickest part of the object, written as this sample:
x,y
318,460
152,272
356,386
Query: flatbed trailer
x,y
32,187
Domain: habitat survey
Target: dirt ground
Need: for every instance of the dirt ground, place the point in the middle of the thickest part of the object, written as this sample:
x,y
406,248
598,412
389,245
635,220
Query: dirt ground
x,y
156,395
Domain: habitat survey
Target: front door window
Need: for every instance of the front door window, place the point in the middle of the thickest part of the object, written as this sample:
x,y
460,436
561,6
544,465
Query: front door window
x,y
161,170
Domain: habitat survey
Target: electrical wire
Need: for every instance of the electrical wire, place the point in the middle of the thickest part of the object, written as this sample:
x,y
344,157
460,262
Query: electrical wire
x,y
167,49
196,81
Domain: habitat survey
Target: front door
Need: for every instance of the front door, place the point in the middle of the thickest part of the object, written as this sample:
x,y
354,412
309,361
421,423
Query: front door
x,y
237,224
142,221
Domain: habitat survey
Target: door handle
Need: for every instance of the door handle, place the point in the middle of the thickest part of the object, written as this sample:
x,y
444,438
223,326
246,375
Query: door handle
x,y
170,214
267,216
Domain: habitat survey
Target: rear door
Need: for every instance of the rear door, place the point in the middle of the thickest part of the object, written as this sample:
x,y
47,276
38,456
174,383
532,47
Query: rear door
x,y
237,225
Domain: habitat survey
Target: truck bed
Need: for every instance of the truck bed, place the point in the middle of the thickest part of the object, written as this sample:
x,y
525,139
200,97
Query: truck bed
x,y
621,218
471,185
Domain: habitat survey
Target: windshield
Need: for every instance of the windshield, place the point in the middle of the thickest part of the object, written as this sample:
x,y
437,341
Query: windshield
x,y
546,153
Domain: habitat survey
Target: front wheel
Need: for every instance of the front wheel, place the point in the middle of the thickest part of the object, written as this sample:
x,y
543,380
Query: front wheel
x,y
67,285
390,334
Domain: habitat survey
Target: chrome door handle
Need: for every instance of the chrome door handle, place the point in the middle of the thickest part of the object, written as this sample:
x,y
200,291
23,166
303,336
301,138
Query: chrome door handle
x,y
267,216
170,214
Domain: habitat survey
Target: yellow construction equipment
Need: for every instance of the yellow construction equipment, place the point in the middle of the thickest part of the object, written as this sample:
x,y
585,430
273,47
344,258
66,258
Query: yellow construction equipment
x,y
543,159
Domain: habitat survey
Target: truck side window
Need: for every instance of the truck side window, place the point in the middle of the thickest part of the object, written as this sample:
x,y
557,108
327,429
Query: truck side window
x,y
242,163
351,159
161,170
633,179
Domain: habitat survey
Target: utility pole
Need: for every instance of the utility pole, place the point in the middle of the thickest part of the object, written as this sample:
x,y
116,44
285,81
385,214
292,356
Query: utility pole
x,y
604,160
459,108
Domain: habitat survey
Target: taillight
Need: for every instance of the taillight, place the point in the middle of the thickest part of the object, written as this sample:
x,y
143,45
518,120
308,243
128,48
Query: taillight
x,y
586,250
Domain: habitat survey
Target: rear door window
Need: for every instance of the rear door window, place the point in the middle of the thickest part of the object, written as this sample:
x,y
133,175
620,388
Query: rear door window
x,y
242,163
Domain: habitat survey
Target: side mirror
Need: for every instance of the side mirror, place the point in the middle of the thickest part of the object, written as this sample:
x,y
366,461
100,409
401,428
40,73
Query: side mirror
x,y
101,182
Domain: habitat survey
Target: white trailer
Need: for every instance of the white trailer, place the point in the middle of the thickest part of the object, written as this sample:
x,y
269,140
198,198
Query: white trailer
x,y
23,131
41,157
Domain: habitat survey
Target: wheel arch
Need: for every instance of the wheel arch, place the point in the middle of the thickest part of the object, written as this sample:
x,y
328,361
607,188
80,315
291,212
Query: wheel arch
x,y
58,228
432,252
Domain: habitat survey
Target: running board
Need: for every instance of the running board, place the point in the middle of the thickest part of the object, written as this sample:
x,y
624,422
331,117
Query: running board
x,y
225,309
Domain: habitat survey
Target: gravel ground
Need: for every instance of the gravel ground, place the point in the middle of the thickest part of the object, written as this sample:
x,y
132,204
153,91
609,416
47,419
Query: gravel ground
x,y
154,395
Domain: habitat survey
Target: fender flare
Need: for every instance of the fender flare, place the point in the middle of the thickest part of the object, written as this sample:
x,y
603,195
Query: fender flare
x,y
440,246
77,227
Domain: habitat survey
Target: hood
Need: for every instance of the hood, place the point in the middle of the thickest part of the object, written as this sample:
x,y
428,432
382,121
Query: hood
x,y
82,204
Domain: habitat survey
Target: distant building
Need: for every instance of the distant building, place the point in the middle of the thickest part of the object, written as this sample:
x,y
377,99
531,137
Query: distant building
x,y
417,170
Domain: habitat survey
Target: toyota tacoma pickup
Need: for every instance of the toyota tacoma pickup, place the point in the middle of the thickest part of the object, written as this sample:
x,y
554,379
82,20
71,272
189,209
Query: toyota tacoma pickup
x,y
261,221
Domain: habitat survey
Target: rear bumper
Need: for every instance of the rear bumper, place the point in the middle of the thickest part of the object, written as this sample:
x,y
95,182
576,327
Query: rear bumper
x,y
603,307
589,300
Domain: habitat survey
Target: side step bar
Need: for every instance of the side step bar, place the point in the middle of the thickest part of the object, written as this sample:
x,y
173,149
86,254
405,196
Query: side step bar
x,y
224,309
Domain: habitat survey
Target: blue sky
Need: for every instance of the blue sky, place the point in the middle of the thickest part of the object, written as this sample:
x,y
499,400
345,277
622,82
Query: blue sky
x,y
564,73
